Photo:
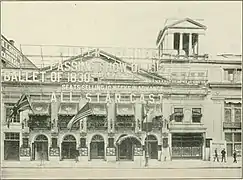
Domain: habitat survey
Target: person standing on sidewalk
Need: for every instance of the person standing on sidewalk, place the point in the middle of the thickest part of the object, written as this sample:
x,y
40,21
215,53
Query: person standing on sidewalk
x,y
216,155
234,156
223,152
42,158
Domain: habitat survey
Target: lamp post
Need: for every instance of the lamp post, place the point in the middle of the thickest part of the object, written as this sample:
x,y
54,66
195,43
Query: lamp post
x,y
147,146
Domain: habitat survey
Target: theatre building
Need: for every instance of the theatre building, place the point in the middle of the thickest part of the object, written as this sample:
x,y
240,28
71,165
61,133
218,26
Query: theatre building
x,y
184,104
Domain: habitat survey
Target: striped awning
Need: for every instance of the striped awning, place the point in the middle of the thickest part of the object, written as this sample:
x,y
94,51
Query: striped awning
x,y
40,108
131,137
233,101
68,109
98,109
125,109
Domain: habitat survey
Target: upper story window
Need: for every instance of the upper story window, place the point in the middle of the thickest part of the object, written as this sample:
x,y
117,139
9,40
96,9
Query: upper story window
x,y
232,75
195,43
232,112
186,43
178,114
177,41
196,115
8,110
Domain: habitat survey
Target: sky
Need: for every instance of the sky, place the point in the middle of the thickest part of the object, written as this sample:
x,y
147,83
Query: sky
x,y
118,24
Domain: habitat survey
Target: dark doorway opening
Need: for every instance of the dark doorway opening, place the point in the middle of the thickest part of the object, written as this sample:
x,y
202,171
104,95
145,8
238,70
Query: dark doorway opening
x,y
152,146
97,147
69,147
40,148
126,146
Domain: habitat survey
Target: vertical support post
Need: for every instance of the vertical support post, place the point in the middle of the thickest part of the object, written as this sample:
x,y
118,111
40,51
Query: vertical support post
x,y
181,41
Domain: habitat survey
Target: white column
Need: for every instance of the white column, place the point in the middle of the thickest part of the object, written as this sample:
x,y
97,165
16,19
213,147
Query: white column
x,y
190,44
181,39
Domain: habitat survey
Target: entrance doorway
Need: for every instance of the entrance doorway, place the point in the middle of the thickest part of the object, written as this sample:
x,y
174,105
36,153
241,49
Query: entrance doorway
x,y
40,148
126,145
69,147
11,146
152,146
187,145
97,147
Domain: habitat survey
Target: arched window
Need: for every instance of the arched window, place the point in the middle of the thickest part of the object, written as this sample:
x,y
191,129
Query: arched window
x,y
97,138
69,138
41,138
151,138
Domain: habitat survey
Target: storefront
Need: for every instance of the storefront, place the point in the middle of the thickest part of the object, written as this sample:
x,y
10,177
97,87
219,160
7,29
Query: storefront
x,y
11,146
187,145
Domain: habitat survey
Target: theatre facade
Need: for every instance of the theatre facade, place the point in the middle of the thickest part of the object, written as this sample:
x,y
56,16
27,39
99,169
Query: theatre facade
x,y
196,104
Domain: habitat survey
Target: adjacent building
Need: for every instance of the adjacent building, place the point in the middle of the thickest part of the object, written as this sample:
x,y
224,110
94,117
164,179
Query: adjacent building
x,y
195,102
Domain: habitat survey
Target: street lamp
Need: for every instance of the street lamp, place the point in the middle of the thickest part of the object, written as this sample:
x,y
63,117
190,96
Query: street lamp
x,y
146,130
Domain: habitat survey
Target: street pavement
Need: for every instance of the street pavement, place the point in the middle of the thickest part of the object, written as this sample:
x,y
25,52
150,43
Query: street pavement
x,y
175,164
142,173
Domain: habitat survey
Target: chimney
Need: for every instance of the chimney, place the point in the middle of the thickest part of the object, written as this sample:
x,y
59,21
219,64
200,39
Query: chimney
x,y
11,42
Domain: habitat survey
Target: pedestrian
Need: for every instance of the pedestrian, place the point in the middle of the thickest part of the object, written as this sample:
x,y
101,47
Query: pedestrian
x,y
223,152
42,158
216,155
76,156
234,156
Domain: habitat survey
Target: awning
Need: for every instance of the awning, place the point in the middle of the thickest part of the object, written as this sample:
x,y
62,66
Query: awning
x,y
99,109
68,109
40,108
233,101
131,137
196,114
125,109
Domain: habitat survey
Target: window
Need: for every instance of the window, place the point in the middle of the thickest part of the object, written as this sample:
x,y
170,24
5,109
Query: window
x,y
178,114
233,141
54,142
82,142
237,115
196,115
195,43
8,110
25,142
177,41
11,136
233,75
186,43
232,112
110,142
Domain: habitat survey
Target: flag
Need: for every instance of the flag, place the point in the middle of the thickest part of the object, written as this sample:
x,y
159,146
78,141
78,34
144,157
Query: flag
x,y
22,104
83,112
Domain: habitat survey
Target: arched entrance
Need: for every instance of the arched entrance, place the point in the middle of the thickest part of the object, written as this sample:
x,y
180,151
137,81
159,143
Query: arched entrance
x,y
40,148
69,147
126,145
97,147
152,146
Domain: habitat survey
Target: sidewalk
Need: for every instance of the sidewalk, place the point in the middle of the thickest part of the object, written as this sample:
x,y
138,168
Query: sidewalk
x,y
175,164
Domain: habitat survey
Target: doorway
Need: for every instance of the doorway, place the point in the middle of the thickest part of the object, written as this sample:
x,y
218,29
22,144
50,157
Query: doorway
x,y
69,147
97,147
11,146
40,148
126,145
152,146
